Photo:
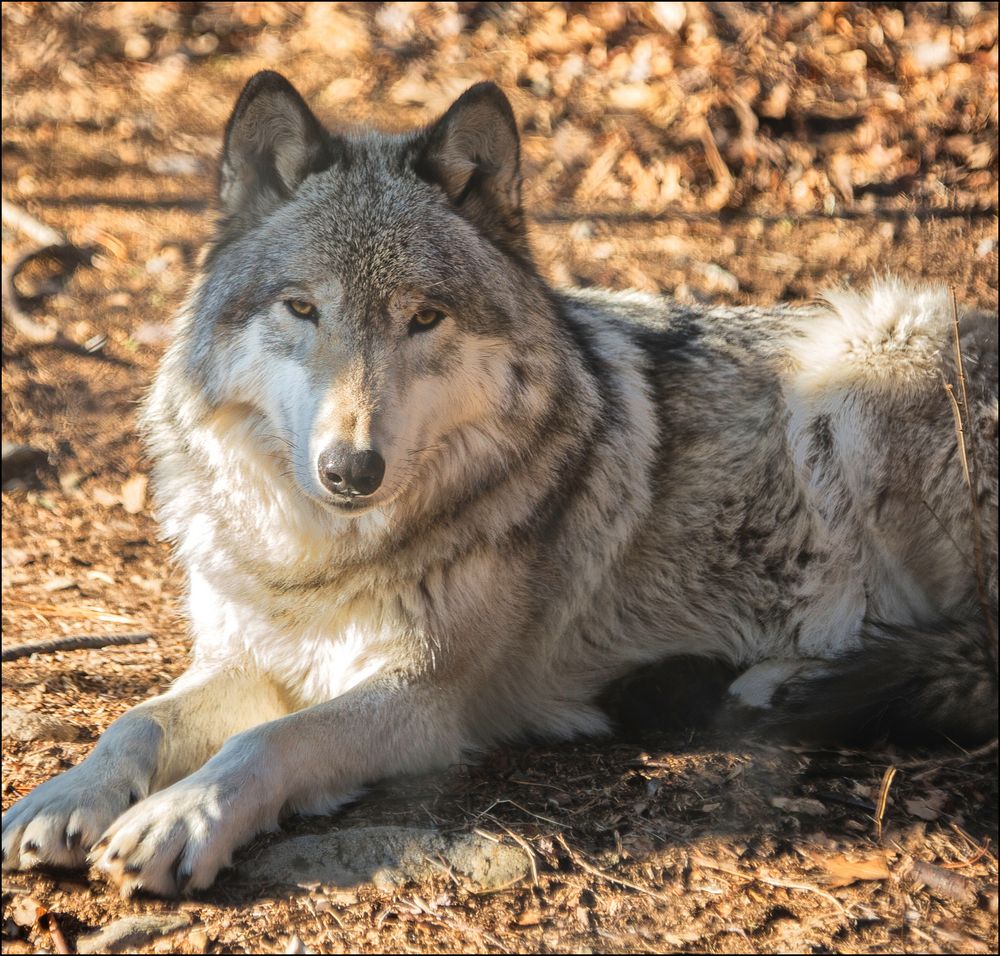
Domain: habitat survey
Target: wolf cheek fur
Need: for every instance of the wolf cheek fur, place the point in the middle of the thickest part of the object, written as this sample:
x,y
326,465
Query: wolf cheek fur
x,y
575,484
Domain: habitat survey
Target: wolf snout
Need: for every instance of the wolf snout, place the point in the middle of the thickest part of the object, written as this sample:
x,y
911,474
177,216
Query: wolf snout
x,y
351,473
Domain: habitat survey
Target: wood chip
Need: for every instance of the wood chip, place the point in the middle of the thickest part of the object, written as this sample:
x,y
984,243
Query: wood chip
x,y
134,494
842,871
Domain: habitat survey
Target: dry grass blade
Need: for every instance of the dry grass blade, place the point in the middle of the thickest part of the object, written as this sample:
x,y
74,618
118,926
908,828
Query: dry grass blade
x,y
883,800
971,480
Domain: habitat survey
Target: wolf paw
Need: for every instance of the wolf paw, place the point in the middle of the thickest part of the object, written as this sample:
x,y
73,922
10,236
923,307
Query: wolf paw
x,y
175,841
58,822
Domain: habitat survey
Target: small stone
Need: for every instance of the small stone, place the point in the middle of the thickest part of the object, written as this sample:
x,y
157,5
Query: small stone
x,y
804,805
27,726
124,935
387,857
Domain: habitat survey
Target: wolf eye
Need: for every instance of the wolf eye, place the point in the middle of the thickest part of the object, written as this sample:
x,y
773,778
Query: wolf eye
x,y
301,309
425,319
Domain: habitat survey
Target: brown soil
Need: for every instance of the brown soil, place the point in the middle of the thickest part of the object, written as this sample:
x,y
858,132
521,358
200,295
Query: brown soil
x,y
827,165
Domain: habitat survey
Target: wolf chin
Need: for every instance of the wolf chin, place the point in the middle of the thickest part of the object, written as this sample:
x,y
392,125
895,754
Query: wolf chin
x,y
426,503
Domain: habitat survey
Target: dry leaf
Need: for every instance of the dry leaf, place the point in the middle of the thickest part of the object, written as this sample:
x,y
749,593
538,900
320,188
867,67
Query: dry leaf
x,y
842,871
134,494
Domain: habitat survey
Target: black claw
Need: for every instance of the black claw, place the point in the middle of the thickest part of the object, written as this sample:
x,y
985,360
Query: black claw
x,y
73,838
133,868
30,847
114,855
133,798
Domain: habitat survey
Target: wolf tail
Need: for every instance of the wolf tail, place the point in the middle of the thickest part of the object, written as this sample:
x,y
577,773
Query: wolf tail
x,y
912,685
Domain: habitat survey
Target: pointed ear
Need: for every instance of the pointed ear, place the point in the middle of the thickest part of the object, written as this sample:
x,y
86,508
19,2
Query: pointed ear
x,y
473,154
272,142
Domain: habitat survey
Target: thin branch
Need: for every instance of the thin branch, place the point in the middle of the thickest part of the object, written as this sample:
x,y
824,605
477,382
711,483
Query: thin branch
x,y
74,643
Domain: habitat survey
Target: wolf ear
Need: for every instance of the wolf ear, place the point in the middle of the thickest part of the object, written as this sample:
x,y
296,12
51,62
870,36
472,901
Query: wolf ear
x,y
272,142
473,154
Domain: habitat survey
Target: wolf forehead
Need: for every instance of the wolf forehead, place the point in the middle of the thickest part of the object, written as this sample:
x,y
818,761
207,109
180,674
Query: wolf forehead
x,y
367,221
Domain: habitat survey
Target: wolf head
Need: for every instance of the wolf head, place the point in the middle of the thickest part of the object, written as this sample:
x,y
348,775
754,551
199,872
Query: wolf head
x,y
370,300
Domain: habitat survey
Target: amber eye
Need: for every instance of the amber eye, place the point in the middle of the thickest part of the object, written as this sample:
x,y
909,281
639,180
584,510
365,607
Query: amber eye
x,y
425,319
301,309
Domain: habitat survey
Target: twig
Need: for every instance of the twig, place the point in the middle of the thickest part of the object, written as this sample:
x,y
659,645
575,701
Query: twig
x,y
522,843
453,922
593,871
883,799
769,880
74,643
21,220
970,480
713,157
58,940
940,881
933,763
985,847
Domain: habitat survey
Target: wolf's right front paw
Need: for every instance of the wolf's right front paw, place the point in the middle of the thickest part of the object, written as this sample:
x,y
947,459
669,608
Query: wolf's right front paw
x,y
58,822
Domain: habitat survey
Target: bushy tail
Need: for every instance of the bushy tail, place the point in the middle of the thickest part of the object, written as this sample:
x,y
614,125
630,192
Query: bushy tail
x,y
912,685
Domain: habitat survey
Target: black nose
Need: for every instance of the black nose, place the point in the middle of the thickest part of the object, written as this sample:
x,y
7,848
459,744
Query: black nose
x,y
351,473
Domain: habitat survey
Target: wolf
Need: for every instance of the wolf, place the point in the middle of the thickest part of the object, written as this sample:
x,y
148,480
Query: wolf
x,y
427,503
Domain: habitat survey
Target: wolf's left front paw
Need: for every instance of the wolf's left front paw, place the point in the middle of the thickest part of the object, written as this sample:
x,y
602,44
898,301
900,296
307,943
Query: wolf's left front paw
x,y
176,840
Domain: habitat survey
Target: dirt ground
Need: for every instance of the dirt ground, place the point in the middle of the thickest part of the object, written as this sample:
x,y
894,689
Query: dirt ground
x,y
715,152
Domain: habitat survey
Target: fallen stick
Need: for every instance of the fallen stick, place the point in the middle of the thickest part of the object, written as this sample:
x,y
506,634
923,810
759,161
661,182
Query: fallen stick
x,y
600,874
22,220
75,643
939,881
768,880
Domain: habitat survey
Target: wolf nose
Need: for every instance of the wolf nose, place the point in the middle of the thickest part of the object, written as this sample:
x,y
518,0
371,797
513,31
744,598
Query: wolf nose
x,y
351,473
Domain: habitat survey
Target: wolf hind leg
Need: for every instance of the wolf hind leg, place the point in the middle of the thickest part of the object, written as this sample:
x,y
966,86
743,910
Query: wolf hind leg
x,y
145,750
910,684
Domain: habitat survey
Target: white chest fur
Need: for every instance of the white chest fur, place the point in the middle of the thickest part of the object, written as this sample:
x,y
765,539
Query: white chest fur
x,y
323,650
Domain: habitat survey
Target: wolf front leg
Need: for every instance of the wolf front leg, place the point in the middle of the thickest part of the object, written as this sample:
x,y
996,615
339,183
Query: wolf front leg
x,y
309,761
146,749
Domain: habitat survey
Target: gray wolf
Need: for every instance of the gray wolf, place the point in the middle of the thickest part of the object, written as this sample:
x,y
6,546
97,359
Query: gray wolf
x,y
426,503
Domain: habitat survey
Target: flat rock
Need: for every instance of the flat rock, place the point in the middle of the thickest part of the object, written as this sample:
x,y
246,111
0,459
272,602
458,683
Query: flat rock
x,y
124,935
24,725
387,856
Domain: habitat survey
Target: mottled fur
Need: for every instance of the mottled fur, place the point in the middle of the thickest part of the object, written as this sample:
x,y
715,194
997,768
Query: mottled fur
x,y
577,484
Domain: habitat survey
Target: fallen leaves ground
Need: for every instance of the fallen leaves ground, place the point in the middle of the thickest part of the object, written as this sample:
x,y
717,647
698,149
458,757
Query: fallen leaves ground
x,y
716,152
